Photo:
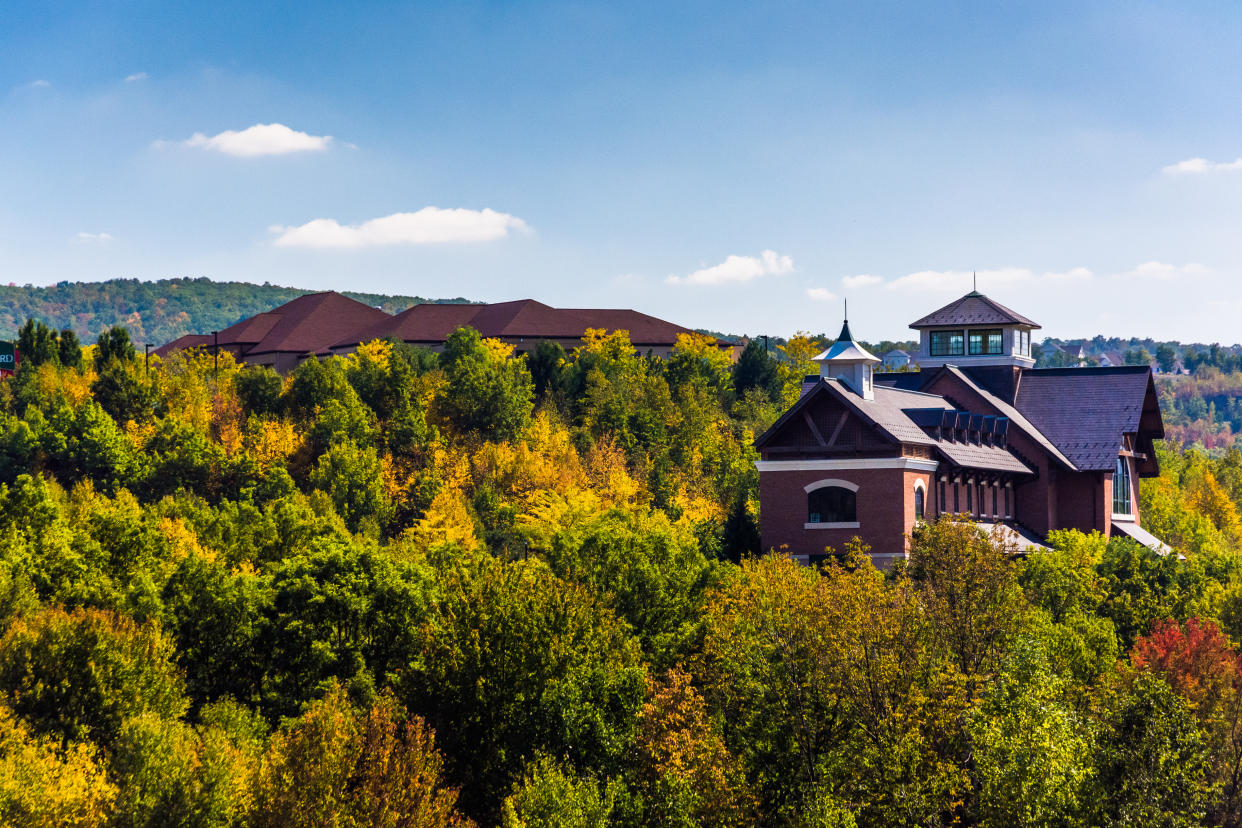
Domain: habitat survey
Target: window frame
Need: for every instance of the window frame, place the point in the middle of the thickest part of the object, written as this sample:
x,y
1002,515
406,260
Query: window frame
x,y
1123,489
848,517
942,349
986,338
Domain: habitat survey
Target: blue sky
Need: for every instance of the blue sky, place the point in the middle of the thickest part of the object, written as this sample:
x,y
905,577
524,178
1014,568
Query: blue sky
x,y
735,166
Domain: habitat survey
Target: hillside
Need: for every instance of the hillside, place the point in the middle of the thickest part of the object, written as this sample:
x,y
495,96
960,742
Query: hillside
x,y
159,311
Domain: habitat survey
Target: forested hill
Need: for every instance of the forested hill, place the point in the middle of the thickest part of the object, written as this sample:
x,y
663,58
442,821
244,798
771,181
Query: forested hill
x,y
157,311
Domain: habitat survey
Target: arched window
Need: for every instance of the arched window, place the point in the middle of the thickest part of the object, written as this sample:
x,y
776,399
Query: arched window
x,y
1121,488
918,502
831,504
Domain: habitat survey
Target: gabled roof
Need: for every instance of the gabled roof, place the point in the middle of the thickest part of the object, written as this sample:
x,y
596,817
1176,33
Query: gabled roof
x,y
900,415
973,309
1086,411
521,319
308,324
897,352
885,411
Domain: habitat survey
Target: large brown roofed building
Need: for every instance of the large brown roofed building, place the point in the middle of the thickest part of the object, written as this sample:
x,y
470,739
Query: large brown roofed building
x,y
284,336
522,323
976,432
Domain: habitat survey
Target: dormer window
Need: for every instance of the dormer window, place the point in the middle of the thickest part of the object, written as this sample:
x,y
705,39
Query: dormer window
x,y
985,342
948,343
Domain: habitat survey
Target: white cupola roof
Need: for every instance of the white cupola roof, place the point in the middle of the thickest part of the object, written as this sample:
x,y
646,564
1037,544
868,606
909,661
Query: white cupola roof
x,y
849,362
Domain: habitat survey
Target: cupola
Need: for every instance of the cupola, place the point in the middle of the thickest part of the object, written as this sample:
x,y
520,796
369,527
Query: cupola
x,y
974,331
849,362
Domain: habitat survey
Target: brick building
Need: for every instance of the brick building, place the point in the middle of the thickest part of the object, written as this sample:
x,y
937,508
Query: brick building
x,y
975,431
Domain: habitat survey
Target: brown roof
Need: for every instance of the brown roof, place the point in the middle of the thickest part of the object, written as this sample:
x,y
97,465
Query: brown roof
x,y
308,324
1014,414
973,309
182,342
521,319
897,412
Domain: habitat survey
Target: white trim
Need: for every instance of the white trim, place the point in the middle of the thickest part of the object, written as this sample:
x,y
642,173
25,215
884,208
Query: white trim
x,y
918,484
1119,518
907,463
829,482
847,525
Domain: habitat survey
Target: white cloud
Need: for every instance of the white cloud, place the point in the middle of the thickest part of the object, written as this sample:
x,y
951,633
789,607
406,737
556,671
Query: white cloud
x,y
255,141
862,280
958,280
737,269
92,237
1164,272
39,84
961,280
1197,166
1074,274
821,294
430,225
137,76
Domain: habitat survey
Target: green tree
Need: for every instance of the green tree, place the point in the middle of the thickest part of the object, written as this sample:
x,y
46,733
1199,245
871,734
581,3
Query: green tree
x,y
352,476
340,611
487,393
259,388
755,368
1151,760
515,663
552,796
37,344
69,349
1032,752
84,673
336,765
113,344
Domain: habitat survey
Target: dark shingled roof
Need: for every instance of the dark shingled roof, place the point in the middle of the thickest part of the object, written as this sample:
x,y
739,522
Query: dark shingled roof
x,y
1086,411
524,318
182,342
1015,415
973,309
308,324
977,456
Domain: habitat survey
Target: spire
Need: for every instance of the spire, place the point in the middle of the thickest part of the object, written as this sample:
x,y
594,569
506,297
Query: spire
x,y
974,283
846,336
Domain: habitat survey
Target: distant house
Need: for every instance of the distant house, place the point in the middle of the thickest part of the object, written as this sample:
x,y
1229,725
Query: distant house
x,y
1077,354
979,433
286,335
523,324
896,360
1111,359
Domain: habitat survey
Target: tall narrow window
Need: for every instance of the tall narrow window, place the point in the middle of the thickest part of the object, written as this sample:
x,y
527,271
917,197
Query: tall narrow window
x,y
1121,488
956,505
970,498
1007,512
918,503
942,487
994,488
831,504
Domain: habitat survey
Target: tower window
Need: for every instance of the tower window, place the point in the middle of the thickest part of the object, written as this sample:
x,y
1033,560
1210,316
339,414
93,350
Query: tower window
x,y
985,342
918,502
832,504
1121,488
947,343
